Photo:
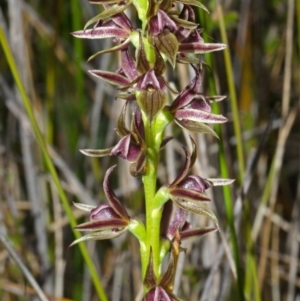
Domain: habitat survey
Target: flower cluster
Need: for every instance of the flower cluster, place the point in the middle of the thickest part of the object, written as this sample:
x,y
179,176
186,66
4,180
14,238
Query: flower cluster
x,y
168,35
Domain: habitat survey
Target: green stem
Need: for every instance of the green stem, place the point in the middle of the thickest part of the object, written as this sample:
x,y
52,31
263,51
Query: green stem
x,y
149,180
153,139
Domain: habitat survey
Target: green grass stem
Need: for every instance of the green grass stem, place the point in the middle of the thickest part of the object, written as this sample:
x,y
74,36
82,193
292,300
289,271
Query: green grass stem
x,y
226,191
41,142
232,93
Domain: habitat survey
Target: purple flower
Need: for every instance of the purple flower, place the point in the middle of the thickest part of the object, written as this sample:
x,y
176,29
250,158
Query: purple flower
x,y
191,109
119,28
130,147
194,43
174,35
176,221
124,76
187,191
106,221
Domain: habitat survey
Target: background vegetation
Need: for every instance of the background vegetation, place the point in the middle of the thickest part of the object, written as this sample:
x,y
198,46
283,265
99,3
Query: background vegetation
x,y
257,247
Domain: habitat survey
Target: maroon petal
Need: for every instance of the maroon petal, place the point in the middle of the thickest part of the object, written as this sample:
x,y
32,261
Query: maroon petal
x,y
166,218
150,295
181,34
101,33
185,169
184,98
161,295
138,126
197,232
195,43
123,21
201,48
199,116
134,153
164,21
149,80
200,103
113,200
194,153
128,65
112,78
188,195
194,37
103,212
102,224
177,222
195,183
122,148
161,21
154,27
189,92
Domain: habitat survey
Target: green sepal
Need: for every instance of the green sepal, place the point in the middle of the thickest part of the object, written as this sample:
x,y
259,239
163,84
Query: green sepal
x,y
151,102
167,45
